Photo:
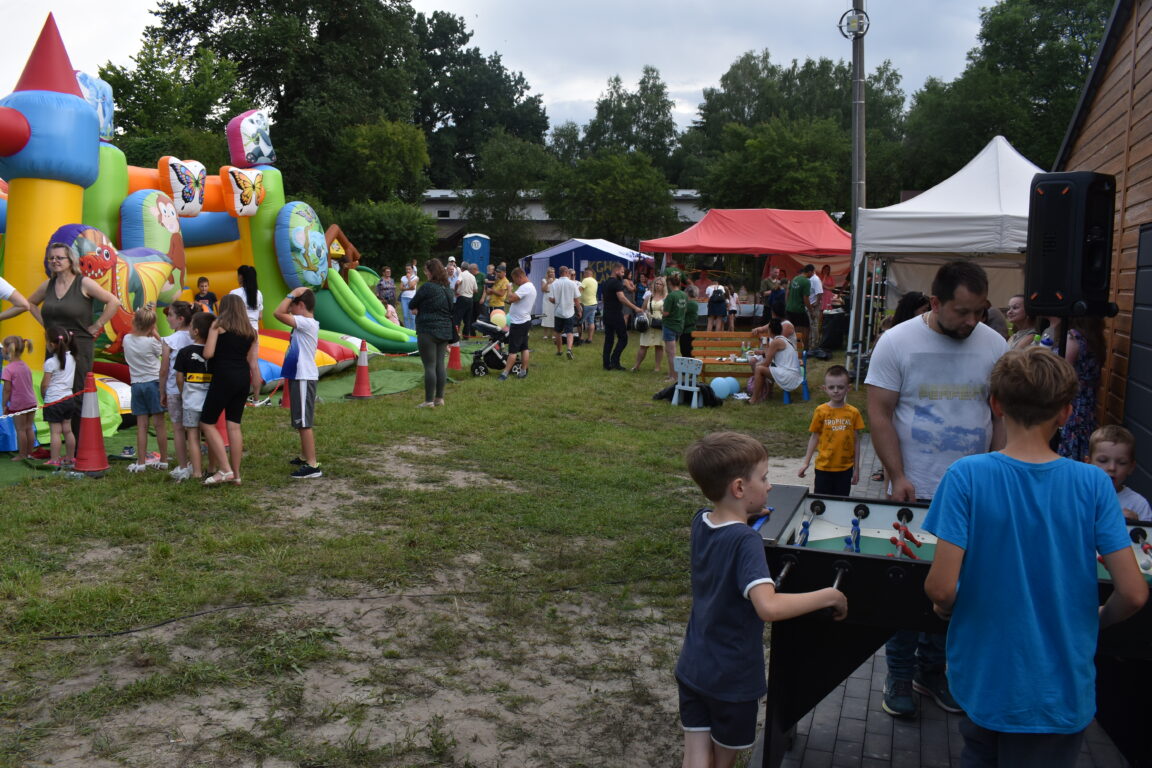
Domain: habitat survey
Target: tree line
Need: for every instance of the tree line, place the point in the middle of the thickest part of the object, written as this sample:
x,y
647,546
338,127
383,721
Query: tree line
x,y
373,103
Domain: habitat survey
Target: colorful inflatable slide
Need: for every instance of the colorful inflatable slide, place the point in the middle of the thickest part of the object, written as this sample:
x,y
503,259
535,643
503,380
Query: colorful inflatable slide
x,y
147,234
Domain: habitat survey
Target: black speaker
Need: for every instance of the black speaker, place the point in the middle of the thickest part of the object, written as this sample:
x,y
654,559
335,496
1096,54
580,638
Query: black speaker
x,y
1069,262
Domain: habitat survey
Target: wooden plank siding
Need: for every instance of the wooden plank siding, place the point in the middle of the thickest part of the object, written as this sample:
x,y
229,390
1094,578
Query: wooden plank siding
x,y
1116,138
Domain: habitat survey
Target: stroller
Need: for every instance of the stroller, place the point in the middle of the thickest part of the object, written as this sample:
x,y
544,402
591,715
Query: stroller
x,y
491,357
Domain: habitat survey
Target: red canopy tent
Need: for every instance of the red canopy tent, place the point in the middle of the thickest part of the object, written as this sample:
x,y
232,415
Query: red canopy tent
x,y
791,238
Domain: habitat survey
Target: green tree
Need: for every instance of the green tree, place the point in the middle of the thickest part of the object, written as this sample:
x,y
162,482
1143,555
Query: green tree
x,y
565,144
508,169
801,164
392,161
173,105
463,96
317,66
754,91
388,234
634,121
1023,81
618,196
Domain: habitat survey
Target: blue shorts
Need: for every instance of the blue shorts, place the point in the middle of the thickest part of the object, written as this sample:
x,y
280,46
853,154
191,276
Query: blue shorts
x,y
731,724
146,398
589,316
669,334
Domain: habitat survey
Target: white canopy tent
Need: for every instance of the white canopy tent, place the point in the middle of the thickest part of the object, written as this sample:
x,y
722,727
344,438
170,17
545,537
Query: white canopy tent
x,y
980,212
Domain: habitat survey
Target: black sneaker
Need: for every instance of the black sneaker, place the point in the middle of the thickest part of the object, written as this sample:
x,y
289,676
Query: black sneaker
x,y
935,685
305,472
296,461
898,698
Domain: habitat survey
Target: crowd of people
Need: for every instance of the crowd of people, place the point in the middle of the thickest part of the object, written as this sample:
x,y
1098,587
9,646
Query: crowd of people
x,y
1021,501
200,375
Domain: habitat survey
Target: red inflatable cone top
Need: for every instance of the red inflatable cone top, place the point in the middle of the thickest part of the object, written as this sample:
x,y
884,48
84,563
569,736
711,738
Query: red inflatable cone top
x,y
362,387
49,68
454,357
90,453
286,394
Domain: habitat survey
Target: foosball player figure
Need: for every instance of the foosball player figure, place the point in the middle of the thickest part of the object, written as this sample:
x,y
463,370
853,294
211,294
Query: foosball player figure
x,y
1015,570
721,667
1113,449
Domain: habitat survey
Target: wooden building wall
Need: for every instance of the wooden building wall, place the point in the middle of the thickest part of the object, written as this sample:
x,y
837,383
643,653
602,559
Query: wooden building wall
x,y
1116,138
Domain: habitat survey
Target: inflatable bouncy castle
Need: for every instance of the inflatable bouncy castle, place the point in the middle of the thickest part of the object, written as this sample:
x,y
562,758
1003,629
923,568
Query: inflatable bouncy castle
x,y
146,234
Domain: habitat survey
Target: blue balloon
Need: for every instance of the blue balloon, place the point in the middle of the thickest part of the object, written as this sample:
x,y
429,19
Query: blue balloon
x,y
720,387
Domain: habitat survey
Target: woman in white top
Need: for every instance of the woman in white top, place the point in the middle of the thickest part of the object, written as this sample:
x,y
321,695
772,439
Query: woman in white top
x,y
250,294
548,308
780,365
653,337
408,285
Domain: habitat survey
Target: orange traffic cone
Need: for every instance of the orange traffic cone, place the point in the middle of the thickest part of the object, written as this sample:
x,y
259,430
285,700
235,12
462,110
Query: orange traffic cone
x,y
90,454
362,387
454,357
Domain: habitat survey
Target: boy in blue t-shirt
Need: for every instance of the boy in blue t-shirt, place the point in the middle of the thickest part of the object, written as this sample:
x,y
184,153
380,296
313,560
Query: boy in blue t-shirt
x,y
721,667
1015,570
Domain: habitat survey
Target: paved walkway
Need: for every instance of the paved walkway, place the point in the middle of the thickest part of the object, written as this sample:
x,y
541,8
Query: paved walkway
x,y
848,729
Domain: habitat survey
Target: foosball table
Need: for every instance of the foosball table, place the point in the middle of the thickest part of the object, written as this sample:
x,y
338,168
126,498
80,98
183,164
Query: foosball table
x,y
877,554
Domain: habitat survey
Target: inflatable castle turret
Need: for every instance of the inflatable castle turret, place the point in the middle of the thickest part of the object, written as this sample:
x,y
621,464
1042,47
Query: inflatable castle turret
x,y
49,152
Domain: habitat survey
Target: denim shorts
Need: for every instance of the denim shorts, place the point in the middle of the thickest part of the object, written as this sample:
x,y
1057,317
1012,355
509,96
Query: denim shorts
x,y
669,334
589,316
146,398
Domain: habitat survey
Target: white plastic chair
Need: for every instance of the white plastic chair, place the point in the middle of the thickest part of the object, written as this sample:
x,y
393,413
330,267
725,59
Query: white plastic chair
x,y
688,379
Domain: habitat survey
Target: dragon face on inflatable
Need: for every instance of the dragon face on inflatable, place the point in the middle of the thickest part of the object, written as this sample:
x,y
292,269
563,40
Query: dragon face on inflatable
x,y
135,276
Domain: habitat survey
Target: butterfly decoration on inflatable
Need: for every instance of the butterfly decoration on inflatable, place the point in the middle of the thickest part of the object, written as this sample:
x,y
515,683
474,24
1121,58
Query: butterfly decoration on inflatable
x,y
186,183
247,190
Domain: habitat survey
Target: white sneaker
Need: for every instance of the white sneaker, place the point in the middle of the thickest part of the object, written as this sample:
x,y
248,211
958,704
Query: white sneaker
x,y
180,474
157,464
134,467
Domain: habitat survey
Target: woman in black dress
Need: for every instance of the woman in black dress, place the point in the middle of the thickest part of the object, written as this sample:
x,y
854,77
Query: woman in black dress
x,y
230,350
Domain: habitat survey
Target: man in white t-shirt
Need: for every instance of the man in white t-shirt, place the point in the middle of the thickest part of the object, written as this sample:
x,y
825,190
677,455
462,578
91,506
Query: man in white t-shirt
x,y
928,405
565,294
462,309
521,297
815,306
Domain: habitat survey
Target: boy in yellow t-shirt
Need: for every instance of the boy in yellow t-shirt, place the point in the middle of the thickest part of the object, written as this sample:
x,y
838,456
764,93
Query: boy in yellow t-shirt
x,y
834,426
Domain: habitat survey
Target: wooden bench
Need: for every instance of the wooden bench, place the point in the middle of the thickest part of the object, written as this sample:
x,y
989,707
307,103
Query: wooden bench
x,y
716,348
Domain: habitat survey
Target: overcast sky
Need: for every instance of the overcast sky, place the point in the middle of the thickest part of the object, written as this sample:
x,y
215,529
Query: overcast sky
x,y
568,51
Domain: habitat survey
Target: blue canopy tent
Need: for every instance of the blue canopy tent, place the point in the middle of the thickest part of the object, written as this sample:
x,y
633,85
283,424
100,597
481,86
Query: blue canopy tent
x,y
598,255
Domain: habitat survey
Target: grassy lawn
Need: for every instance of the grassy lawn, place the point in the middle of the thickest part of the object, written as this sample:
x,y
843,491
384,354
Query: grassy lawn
x,y
498,582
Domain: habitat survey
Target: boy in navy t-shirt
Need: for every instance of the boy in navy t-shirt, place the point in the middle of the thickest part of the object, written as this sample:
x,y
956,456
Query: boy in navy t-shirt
x,y
721,667
1015,569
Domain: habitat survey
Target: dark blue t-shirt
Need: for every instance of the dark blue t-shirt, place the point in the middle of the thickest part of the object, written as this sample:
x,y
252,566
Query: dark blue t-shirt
x,y
723,654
